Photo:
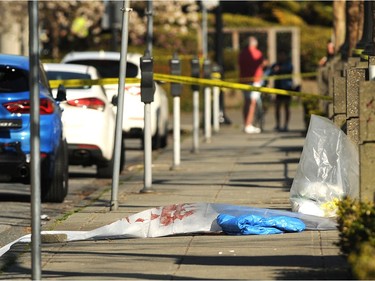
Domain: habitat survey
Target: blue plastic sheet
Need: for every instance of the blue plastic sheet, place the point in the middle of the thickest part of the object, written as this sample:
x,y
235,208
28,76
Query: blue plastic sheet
x,y
256,225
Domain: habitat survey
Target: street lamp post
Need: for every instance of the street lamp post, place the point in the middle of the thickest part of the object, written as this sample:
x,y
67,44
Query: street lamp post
x,y
370,46
120,107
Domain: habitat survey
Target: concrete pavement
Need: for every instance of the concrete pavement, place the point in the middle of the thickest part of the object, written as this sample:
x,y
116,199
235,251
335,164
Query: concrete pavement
x,y
233,168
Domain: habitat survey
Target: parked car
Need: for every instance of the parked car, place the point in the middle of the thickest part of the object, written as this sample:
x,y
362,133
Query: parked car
x,y
108,65
15,123
88,117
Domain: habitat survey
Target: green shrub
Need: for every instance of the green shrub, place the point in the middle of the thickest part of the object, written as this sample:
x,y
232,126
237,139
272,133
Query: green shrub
x,y
363,263
241,21
310,106
287,18
313,46
356,223
316,14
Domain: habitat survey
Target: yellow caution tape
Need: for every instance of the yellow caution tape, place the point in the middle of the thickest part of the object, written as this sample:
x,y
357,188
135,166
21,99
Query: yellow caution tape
x,y
190,81
280,76
231,85
357,52
364,57
87,82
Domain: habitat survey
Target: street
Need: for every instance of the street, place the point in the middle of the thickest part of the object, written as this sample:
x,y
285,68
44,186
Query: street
x,y
15,217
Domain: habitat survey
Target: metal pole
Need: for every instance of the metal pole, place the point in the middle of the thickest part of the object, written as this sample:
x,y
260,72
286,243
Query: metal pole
x,y
207,114
367,25
176,132
207,101
149,26
296,49
176,89
120,106
195,72
370,46
147,150
271,48
216,74
147,137
195,121
204,32
147,97
35,140
219,58
113,25
216,109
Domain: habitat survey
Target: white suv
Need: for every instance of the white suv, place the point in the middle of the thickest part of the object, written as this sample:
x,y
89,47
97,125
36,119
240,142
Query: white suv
x,y
108,65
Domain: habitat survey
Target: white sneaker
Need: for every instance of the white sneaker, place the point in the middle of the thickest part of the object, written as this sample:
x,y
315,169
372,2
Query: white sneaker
x,y
250,129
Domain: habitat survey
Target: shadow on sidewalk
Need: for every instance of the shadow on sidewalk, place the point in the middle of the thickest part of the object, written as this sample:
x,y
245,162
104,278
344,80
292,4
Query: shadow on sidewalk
x,y
297,267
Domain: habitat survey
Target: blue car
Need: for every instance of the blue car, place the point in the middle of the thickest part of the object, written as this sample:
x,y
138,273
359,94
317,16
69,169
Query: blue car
x,y
15,126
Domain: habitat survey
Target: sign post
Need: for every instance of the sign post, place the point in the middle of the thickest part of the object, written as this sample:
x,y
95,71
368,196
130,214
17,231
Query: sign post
x,y
176,88
120,107
35,140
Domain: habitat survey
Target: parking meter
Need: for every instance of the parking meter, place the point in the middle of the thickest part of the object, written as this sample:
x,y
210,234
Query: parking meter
x,y
175,67
147,79
216,72
207,69
195,72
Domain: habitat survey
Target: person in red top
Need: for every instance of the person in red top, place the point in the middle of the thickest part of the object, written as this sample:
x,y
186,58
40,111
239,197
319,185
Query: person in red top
x,y
251,63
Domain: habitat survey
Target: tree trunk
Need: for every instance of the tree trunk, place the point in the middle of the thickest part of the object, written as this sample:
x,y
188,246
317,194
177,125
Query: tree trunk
x,y
339,22
353,22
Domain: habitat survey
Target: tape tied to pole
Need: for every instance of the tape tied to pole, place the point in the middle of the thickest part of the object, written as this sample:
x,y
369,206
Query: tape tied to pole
x,y
214,82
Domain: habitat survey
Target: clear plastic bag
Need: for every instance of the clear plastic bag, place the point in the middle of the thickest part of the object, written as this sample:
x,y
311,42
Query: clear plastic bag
x,y
327,172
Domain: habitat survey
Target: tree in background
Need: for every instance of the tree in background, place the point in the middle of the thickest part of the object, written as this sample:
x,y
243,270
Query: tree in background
x,y
348,25
173,20
339,18
14,24
174,23
354,21
56,21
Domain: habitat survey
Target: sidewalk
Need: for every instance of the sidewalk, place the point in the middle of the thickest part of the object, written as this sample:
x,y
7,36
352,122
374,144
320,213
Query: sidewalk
x,y
234,168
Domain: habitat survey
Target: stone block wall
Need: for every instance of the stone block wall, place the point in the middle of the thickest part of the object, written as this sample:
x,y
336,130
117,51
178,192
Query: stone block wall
x,y
353,104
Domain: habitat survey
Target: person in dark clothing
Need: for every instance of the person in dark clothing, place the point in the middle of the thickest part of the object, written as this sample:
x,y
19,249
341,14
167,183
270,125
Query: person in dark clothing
x,y
281,67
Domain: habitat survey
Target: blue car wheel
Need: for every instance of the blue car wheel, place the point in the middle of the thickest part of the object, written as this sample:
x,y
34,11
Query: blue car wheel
x,y
54,178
